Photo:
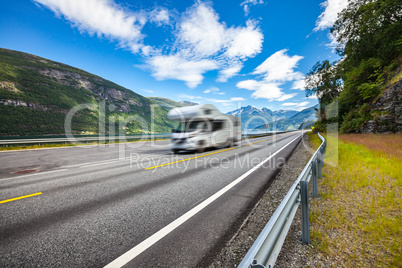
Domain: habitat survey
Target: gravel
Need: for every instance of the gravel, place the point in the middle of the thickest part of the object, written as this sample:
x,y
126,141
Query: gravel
x,y
294,253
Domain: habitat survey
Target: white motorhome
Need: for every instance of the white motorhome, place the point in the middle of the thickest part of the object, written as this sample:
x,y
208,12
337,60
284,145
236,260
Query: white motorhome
x,y
201,127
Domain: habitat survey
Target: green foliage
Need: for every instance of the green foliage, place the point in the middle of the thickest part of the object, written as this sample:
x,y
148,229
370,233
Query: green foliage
x,y
324,80
369,29
366,78
369,34
354,120
169,104
319,126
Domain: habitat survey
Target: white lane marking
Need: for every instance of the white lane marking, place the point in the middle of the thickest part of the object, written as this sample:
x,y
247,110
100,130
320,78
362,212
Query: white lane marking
x,y
102,163
32,174
148,157
94,163
147,243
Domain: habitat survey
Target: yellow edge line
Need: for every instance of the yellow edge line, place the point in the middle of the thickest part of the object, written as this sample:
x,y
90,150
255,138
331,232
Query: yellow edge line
x,y
255,142
20,197
191,158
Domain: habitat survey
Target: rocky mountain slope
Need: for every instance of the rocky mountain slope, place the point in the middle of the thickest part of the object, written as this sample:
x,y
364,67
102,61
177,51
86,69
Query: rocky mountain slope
x,y
285,114
37,94
386,111
170,104
252,117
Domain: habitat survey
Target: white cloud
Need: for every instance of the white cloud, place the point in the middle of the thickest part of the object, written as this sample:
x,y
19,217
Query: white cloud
x,y
200,43
297,106
244,42
213,90
330,14
247,3
160,16
262,89
185,96
148,91
249,84
233,99
103,18
270,91
229,72
299,84
312,97
275,70
286,97
202,31
227,104
175,67
333,44
205,43
279,67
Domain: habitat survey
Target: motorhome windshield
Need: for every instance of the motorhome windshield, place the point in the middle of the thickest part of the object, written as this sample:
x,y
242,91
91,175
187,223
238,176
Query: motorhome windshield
x,y
189,126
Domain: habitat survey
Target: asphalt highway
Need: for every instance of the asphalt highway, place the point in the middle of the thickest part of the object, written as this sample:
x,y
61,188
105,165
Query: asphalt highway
x,y
132,205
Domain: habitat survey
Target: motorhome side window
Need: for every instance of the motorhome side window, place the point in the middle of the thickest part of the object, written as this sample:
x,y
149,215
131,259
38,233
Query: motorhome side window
x,y
189,126
217,125
207,126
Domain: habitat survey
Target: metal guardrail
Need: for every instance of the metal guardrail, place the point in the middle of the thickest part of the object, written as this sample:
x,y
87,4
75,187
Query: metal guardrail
x,y
258,135
83,139
105,139
265,250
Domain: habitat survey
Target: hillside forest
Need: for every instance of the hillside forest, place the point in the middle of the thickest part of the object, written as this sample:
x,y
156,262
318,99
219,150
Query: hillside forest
x,y
364,86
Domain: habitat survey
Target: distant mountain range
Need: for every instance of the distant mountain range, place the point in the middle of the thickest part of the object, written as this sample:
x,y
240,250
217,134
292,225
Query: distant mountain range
x,y
253,118
36,94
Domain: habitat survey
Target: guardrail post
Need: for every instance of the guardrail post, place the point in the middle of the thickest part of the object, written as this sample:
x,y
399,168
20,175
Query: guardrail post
x,y
314,177
318,166
255,264
322,156
304,212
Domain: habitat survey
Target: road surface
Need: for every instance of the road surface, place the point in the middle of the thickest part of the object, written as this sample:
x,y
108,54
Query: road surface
x,y
133,204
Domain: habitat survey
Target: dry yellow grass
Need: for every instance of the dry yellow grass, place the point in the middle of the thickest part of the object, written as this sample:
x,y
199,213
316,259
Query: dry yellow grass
x,y
357,221
391,144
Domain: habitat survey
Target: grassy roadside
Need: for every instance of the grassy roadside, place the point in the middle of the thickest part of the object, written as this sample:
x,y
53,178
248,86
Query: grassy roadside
x,y
357,219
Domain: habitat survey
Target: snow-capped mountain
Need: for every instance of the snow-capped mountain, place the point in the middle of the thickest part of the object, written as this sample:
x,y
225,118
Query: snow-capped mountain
x,y
254,118
285,113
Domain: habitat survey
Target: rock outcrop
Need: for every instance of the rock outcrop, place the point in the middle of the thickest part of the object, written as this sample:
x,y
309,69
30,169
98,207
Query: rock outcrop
x,y
387,110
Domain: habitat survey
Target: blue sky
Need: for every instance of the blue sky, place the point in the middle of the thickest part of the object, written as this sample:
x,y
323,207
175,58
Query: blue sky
x,y
228,53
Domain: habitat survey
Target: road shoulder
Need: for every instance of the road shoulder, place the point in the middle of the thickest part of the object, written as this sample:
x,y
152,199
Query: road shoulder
x,y
293,252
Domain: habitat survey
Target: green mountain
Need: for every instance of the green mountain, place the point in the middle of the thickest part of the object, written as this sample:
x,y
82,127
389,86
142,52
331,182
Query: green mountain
x,y
308,114
169,104
37,95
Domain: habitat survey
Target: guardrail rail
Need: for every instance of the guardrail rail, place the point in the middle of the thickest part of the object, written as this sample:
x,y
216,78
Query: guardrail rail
x,y
83,139
110,139
265,250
